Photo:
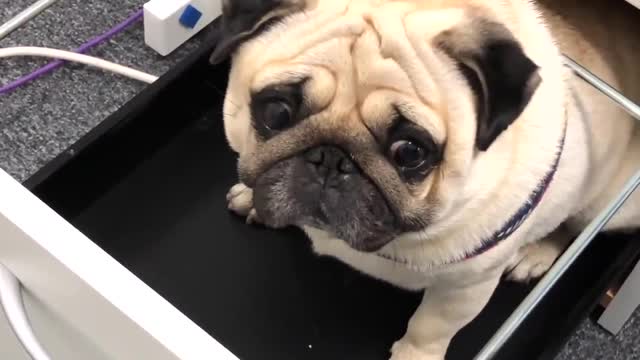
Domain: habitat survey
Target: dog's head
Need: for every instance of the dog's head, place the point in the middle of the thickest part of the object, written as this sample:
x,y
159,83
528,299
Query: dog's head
x,y
365,118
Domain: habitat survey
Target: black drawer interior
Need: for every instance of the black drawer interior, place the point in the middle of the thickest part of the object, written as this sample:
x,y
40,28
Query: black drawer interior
x,y
148,185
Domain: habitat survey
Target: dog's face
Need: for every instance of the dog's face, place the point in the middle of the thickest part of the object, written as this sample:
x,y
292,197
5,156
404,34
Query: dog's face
x,y
368,118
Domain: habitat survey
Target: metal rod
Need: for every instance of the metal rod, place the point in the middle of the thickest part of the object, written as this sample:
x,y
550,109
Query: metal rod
x,y
563,263
24,16
628,105
11,302
556,271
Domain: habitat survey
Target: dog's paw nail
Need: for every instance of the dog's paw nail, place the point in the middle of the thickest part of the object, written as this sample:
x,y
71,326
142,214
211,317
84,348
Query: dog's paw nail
x,y
253,218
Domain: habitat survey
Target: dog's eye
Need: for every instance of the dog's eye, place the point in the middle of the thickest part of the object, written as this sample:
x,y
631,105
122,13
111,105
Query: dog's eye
x,y
277,115
277,108
407,154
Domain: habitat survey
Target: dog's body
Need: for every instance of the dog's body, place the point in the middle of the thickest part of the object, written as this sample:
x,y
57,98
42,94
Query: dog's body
x,y
520,159
600,37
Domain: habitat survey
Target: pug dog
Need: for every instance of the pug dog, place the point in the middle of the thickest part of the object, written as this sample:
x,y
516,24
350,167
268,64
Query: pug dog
x,y
432,144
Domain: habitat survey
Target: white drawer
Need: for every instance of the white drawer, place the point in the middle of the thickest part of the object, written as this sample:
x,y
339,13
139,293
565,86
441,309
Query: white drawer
x,y
60,340
82,303
10,348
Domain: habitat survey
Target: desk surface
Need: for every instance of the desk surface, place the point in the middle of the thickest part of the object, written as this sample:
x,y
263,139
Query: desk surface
x,y
41,119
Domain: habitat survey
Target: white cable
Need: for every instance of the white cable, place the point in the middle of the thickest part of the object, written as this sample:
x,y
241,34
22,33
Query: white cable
x,y
79,58
24,16
11,301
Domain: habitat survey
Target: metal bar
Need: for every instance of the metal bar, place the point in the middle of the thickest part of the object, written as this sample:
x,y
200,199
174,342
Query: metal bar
x,y
11,301
24,16
563,263
556,271
628,105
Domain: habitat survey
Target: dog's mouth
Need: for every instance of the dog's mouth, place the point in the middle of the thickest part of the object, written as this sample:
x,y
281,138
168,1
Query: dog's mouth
x,y
349,207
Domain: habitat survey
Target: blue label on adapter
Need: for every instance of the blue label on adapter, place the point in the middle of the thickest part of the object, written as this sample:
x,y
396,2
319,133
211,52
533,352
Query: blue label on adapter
x,y
190,17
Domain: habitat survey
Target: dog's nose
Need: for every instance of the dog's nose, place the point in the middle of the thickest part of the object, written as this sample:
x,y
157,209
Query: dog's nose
x,y
330,161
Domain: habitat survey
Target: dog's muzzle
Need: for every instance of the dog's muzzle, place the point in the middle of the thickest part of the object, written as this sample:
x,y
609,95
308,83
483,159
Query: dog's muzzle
x,y
323,187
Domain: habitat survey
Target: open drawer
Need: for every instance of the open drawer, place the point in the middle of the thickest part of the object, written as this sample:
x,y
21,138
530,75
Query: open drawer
x,y
127,240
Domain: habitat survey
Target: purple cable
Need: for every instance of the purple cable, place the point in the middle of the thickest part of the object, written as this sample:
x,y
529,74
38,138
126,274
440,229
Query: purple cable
x,y
81,50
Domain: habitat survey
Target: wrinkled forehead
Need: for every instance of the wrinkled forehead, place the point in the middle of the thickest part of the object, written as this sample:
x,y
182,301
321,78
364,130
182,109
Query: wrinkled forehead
x,y
367,43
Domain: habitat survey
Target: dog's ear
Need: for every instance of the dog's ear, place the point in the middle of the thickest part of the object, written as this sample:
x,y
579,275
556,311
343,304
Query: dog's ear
x,y
244,19
502,77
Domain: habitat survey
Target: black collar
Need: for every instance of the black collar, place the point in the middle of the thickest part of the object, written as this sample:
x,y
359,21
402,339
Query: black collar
x,y
526,209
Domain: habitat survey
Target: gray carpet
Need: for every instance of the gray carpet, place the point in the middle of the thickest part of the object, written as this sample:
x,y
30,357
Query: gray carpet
x,y
40,120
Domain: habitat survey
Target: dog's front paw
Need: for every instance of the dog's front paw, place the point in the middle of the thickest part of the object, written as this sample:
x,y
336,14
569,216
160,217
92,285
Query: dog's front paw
x,y
404,350
535,260
240,201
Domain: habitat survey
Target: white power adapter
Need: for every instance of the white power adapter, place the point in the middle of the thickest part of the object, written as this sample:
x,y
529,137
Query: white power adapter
x,y
170,23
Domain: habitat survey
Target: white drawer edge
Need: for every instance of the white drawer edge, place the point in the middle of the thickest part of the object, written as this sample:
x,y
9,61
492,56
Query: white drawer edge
x,y
87,287
635,3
